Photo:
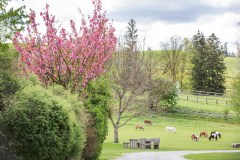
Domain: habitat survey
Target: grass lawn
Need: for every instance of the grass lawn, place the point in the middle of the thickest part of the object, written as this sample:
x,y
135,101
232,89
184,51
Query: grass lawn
x,y
202,106
213,156
172,141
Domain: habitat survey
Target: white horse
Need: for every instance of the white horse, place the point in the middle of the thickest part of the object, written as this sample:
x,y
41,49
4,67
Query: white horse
x,y
171,129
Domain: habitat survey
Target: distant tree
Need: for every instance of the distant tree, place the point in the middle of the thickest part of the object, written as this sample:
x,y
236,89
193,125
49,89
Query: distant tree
x,y
235,96
216,66
131,36
226,49
208,64
175,58
151,62
199,60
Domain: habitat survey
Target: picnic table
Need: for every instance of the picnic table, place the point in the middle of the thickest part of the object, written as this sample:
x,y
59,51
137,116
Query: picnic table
x,y
142,143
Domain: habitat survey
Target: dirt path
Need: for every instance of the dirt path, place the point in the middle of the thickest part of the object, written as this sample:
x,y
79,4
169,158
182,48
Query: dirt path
x,y
166,155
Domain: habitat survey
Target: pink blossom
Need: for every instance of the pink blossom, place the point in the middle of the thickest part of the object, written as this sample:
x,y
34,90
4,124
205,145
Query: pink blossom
x,y
67,57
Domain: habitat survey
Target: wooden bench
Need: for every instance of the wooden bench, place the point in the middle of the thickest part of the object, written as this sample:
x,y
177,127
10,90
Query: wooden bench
x,y
126,144
148,143
236,145
156,142
134,144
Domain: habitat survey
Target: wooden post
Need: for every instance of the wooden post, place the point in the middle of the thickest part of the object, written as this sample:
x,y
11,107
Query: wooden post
x,y
187,98
206,101
216,101
197,99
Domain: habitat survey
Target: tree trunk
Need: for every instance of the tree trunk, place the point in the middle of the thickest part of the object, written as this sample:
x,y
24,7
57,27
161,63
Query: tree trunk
x,y
116,140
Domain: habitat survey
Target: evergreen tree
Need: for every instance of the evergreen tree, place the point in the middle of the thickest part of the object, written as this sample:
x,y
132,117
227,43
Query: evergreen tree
x,y
131,35
225,49
208,64
215,64
199,74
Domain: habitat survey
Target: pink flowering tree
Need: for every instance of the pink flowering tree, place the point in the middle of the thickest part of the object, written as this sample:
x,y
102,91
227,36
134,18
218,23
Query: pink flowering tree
x,y
72,58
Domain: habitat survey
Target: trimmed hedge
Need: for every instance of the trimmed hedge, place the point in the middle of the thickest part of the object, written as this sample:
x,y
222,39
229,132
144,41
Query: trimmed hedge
x,y
41,125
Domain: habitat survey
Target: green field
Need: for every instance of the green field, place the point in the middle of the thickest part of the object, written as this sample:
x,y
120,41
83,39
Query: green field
x,y
172,141
232,65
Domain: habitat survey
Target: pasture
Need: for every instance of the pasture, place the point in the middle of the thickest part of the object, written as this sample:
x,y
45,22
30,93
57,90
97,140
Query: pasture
x,y
181,140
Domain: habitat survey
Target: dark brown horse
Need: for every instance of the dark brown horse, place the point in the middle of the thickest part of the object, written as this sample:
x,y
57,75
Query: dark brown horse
x,y
203,133
147,122
194,137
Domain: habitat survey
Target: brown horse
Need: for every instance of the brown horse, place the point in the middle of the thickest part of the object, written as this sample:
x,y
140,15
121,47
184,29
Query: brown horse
x,y
147,122
203,133
194,137
139,126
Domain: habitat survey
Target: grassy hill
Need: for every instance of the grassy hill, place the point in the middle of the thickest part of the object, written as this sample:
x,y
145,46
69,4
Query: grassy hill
x,y
233,68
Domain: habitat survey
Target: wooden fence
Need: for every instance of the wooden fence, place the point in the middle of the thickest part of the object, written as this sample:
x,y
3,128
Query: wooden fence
x,y
201,99
204,93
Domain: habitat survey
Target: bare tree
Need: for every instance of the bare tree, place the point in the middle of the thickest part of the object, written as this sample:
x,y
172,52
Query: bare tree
x,y
129,88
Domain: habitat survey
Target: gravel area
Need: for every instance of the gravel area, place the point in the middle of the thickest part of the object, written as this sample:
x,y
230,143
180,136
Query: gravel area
x,y
166,155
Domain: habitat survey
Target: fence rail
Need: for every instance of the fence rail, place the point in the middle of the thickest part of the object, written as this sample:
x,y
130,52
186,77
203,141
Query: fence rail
x,y
206,100
204,93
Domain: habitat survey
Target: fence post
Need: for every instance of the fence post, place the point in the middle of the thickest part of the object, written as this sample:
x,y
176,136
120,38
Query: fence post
x,y
197,99
216,101
206,101
187,98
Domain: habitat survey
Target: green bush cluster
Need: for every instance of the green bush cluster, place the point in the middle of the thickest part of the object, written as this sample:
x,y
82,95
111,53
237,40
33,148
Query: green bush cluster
x,y
41,124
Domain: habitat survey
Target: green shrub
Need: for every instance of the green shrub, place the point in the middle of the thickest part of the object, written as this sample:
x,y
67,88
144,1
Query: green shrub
x,y
40,125
169,100
8,87
97,104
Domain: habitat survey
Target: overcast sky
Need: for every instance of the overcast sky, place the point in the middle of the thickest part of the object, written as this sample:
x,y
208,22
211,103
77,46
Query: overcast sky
x,y
157,20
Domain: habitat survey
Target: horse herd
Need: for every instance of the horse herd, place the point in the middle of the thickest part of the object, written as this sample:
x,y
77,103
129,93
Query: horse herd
x,y
213,135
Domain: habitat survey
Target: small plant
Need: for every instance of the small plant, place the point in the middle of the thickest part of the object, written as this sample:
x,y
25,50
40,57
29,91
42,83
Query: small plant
x,y
226,112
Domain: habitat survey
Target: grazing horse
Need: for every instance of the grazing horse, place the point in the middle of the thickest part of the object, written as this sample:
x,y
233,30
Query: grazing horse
x,y
203,133
171,129
214,135
148,122
194,137
139,126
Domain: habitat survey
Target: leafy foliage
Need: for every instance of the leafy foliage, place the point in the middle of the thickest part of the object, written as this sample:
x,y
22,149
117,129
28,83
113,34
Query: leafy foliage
x,y
8,81
169,100
11,20
97,103
39,125
8,87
